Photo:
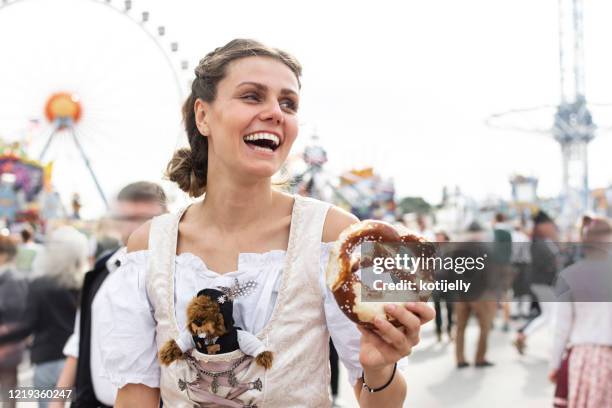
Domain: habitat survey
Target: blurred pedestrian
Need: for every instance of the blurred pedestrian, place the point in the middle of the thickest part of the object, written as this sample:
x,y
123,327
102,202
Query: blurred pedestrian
x,y
13,292
423,229
582,328
440,296
51,303
27,251
136,203
76,206
501,265
334,365
545,259
477,302
521,261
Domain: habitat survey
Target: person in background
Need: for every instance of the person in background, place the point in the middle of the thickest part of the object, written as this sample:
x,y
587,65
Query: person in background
x,y
136,203
545,258
582,328
106,245
479,299
334,365
439,297
27,251
76,206
521,261
52,303
502,268
423,229
13,292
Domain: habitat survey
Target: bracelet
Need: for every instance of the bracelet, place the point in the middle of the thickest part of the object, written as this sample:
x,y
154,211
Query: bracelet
x,y
367,387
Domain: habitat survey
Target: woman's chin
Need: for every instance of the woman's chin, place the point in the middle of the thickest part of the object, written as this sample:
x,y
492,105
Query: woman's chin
x,y
261,166
259,171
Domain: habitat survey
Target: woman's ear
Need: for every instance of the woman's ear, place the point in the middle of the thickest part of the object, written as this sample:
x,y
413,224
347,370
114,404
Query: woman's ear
x,y
201,110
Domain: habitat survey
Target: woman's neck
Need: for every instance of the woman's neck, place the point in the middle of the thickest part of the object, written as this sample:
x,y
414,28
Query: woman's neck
x,y
230,205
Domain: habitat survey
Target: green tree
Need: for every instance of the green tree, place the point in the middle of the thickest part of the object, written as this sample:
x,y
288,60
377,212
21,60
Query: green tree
x,y
418,205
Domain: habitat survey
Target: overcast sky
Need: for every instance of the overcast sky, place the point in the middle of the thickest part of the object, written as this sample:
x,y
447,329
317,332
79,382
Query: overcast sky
x,y
404,86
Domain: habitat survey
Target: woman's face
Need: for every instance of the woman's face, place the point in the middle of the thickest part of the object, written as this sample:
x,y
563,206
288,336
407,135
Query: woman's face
x,y
252,123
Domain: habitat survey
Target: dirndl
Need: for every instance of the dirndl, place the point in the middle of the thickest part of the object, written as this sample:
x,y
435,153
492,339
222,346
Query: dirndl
x,y
590,376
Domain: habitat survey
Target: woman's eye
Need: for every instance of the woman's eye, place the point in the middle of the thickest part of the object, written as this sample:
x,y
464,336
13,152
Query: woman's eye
x,y
251,97
289,105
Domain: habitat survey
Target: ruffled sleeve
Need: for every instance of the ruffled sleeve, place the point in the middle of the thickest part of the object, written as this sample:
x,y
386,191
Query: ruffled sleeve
x,y
127,343
343,331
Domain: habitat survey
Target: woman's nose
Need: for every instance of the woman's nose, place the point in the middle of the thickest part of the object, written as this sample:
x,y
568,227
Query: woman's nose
x,y
273,113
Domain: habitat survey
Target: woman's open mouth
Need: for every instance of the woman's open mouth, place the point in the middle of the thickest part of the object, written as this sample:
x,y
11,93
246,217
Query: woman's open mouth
x,y
262,141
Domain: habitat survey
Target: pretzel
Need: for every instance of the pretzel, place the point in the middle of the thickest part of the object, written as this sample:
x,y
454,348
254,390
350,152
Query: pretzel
x,y
343,265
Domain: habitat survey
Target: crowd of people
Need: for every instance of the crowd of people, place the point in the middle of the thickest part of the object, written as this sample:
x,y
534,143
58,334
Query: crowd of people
x,y
46,297
48,302
540,283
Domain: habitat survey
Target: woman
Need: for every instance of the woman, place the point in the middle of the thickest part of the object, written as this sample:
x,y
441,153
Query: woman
x,y
13,293
582,326
241,119
52,302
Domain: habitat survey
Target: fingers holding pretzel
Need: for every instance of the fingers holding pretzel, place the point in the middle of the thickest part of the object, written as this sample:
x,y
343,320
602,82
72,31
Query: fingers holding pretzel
x,y
386,343
343,266
389,330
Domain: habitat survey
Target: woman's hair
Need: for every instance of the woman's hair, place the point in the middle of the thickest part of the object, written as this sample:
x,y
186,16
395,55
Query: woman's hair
x,y
65,257
188,167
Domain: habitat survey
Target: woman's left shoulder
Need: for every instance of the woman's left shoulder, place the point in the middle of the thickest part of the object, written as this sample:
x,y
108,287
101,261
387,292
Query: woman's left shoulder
x,y
336,221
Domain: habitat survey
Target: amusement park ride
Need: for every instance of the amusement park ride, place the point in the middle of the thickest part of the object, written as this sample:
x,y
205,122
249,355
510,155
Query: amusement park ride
x,y
361,191
573,126
63,111
89,108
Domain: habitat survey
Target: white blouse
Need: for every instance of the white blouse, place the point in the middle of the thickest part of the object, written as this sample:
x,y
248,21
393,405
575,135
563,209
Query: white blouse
x,y
580,323
585,321
128,348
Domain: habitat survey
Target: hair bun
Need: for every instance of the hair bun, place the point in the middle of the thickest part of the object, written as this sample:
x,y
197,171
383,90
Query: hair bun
x,y
180,170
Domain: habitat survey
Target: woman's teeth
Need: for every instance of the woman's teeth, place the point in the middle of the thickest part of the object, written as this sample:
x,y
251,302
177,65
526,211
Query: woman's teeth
x,y
263,141
262,149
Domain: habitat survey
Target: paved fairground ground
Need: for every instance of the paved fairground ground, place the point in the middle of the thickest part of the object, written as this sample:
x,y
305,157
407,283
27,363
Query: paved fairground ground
x,y
514,381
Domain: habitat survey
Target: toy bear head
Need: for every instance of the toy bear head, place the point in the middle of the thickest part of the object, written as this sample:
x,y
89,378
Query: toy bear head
x,y
207,315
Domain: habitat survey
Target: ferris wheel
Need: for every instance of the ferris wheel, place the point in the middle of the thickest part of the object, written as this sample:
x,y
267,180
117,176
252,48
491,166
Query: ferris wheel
x,y
93,87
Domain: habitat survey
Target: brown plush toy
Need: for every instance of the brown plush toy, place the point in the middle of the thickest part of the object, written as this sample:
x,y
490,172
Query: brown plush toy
x,y
211,330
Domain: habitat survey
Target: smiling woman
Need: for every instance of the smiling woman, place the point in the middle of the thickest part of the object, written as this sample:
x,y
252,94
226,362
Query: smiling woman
x,y
189,167
265,250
